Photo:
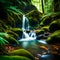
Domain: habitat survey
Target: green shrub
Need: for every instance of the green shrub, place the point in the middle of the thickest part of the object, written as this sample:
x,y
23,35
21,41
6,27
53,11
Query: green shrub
x,y
22,52
13,58
55,25
54,38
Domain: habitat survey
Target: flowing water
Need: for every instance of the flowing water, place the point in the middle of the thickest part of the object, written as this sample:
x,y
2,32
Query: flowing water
x,y
39,48
25,27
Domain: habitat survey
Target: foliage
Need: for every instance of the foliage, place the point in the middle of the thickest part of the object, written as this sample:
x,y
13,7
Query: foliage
x,y
13,58
48,18
54,38
48,6
4,37
3,40
22,52
38,4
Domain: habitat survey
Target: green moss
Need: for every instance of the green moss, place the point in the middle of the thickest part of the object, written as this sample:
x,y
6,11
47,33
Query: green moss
x,y
45,28
22,52
34,18
54,38
13,58
42,30
38,32
48,18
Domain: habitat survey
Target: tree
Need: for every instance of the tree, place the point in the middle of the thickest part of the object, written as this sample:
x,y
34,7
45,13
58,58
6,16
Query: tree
x,y
42,5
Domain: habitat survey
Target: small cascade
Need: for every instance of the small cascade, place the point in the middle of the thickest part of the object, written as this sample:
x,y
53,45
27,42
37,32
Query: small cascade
x,y
25,27
25,23
32,34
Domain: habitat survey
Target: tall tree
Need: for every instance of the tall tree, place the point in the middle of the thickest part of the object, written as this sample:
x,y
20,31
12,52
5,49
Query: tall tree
x,y
42,5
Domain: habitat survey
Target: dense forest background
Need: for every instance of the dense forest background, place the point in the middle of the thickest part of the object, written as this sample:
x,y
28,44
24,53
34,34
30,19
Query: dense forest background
x,y
43,15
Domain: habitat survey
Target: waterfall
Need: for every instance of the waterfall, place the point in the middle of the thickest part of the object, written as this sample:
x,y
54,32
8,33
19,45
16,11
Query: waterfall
x,y
25,23
25,27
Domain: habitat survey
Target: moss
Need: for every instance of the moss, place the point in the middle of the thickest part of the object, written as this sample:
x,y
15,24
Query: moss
x,y
34,18
42,30
45,28
22,52
50,17
47,20
55,25
13,58
38,32
54,38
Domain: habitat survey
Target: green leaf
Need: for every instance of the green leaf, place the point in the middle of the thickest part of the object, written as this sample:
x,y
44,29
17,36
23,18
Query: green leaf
x,y
3,41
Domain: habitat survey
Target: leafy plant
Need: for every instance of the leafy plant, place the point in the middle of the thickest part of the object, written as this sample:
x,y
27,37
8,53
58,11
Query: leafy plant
x,y
3,41
4,37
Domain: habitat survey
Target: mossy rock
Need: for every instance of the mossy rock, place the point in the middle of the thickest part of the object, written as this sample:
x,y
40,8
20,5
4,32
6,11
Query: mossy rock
x,y
55,25
38,32
42,30
54,38
47,19
13,58
45,28
22,52
34,17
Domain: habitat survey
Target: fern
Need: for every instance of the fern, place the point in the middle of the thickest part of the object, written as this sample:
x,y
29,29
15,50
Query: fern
x,y
3,41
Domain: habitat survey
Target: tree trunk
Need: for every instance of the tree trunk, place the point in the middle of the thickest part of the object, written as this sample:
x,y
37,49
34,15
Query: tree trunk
x,y
42,6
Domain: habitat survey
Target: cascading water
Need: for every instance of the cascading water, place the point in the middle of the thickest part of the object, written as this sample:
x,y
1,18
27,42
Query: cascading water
x,y
25,23
25,27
